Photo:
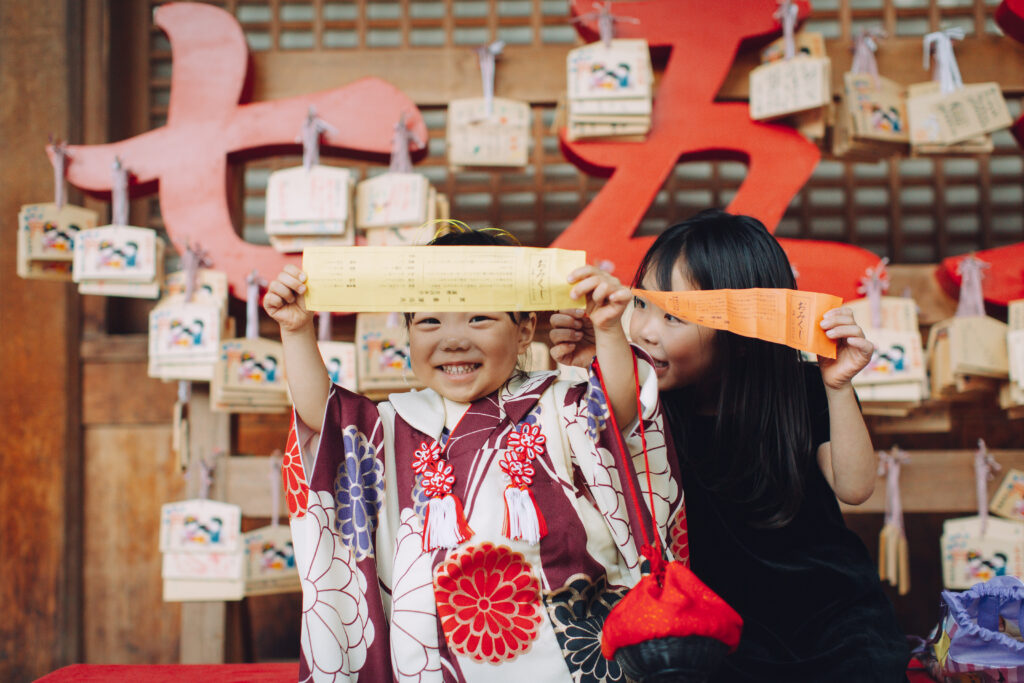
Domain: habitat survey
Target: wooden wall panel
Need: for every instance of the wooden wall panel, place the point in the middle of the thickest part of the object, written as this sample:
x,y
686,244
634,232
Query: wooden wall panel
x,y
130,472
260,434
40,490
121,393
939,481
434,77
537,73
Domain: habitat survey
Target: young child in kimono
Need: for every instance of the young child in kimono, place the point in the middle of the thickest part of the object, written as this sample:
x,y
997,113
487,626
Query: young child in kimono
x,y
480,529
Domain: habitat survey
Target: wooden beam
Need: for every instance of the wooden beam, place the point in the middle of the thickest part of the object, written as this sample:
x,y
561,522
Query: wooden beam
x,y
247,484
95,120
203,623
40,445
939,481
262,432
981,59
130,471
430,76
115,348
435,76
122,394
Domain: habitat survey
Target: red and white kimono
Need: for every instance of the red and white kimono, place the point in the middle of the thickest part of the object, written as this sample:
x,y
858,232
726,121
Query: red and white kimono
x,y
377,607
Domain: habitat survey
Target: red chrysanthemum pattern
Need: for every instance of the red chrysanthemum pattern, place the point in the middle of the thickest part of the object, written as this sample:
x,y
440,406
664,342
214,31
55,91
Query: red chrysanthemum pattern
x,y
488,600
296,488
679,542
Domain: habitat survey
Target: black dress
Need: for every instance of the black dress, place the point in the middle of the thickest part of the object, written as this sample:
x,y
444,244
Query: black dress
x,y
811,601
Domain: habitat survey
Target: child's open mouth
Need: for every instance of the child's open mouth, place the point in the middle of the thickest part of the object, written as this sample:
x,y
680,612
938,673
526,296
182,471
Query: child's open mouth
x,y
459,368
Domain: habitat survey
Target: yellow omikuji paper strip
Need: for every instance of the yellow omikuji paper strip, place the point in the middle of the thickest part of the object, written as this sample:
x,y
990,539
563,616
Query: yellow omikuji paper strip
x,y
439,278
782,316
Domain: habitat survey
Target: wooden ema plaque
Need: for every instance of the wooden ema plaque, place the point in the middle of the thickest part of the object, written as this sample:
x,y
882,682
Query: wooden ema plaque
x,y
1004,281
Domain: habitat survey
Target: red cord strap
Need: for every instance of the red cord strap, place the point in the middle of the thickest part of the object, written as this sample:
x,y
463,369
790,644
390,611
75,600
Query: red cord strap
x,y
654,554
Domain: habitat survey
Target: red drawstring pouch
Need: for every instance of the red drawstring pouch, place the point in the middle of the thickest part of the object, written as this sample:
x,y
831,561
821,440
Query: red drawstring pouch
x,y
670,626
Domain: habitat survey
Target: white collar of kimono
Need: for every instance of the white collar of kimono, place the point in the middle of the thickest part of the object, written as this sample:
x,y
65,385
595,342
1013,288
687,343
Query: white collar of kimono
x,y
424,410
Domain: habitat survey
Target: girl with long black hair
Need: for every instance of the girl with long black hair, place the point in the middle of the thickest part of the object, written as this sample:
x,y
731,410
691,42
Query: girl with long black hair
x,y
766,442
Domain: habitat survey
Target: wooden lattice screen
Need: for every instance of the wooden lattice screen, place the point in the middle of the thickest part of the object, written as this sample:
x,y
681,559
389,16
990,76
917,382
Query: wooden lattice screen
x,y
914,210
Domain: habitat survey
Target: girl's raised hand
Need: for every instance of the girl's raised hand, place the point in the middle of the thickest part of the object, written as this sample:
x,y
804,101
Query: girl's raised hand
x,y
572,338
853,350
607,298
284,301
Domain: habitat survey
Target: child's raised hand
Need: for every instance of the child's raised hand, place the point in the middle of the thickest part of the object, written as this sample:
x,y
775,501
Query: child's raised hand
x,y
853,350
607,298
572,338
284,301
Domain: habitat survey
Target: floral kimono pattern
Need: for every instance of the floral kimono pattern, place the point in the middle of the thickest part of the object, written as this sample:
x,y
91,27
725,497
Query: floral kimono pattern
x,y
377,607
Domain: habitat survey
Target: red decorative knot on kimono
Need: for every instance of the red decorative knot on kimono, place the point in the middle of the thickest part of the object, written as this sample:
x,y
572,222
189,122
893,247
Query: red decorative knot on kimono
x,y
378,607
444,524
523,519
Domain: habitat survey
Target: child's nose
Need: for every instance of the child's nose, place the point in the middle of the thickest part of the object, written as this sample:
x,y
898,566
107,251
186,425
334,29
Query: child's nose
x,y
649,329
455,343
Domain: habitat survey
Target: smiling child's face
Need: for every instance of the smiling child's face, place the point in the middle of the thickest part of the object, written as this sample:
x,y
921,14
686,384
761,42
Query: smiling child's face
x,y
466,356
682,351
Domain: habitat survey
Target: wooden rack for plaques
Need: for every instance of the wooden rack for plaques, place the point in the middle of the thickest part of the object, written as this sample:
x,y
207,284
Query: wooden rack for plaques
x,y
913,210
116,437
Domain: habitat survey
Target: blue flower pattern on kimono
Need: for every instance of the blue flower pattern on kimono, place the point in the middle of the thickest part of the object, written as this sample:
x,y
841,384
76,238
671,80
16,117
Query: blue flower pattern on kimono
x,y
531,418
597,407
577,612
359,491
419,499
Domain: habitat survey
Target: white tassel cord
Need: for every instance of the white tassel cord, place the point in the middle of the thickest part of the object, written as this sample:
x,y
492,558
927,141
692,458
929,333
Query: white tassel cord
x,y
442,524
522,516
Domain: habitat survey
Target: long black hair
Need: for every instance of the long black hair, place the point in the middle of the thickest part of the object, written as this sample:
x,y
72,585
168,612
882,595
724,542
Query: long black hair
x,y
761,441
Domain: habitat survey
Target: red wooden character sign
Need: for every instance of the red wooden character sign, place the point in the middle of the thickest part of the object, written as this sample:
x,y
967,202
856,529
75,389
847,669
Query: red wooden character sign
x,y
207,124
688,125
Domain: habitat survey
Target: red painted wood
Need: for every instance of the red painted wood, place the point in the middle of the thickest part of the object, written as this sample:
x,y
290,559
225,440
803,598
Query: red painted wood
x,y
207,125
687,124
1010,17
1002,283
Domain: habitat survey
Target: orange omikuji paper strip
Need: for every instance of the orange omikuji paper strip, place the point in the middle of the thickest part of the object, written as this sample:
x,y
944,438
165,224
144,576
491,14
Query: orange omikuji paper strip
x,y
782,316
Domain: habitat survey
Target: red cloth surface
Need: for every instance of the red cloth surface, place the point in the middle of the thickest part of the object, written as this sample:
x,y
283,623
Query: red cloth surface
x,y
916,672
287,672
232,673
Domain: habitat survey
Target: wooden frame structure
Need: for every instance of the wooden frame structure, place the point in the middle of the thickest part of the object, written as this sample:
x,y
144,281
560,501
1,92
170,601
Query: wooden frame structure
x,y
88,440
